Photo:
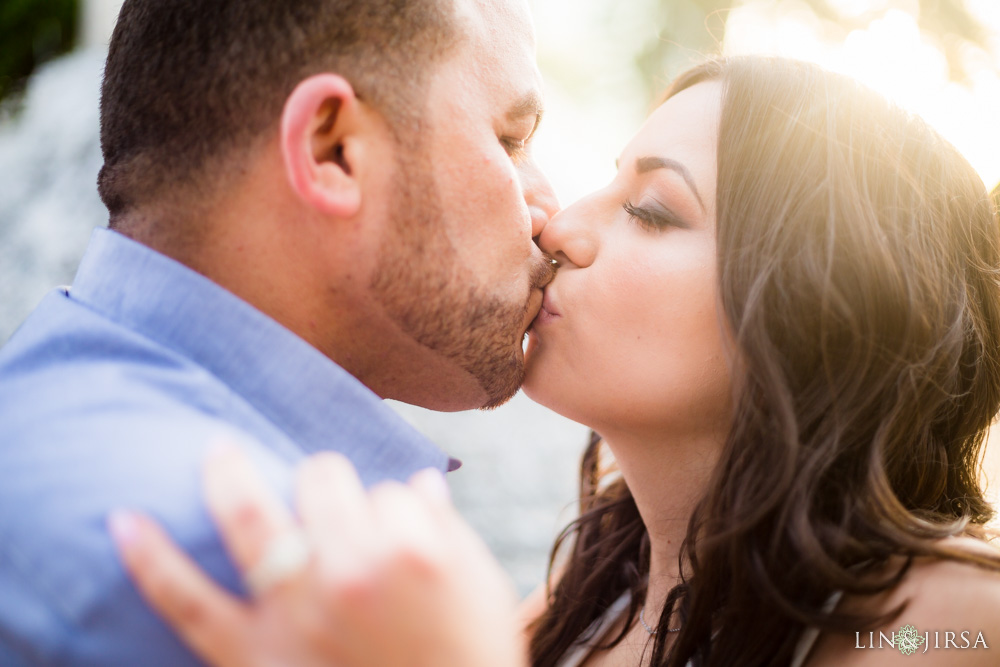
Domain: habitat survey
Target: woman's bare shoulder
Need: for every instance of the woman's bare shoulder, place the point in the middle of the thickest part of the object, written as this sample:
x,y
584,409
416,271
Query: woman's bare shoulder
x,y
536,602
954,607
948,590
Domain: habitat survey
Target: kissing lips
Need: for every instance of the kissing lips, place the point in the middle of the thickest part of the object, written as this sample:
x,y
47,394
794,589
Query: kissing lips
x,y
547,313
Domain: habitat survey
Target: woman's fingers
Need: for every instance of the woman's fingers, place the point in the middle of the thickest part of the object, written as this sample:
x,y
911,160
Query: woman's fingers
x,y
431,486
395,576
208,619
334,509
258,530
407,529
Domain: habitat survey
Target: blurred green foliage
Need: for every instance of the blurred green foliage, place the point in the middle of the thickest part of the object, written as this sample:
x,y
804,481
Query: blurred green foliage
x,y
698,27
31,32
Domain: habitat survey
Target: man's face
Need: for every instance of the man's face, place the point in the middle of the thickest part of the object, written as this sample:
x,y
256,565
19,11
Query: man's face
x,y
459,271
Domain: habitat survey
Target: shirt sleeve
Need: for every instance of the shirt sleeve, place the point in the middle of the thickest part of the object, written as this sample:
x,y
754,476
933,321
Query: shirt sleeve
x,y
65,598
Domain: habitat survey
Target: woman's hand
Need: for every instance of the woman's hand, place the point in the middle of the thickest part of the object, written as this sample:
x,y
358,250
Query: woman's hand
x,y
390,577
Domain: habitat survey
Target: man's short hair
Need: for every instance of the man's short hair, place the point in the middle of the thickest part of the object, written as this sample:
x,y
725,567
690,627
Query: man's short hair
x,y
188,83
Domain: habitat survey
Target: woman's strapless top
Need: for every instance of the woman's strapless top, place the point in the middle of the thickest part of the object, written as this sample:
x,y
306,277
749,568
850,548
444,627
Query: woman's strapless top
x,y
581,651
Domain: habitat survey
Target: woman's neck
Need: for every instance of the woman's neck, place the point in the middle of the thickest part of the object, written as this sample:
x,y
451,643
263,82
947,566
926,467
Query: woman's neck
x,y
667,476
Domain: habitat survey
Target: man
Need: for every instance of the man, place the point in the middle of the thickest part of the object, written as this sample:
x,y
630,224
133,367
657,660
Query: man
x,y
314,205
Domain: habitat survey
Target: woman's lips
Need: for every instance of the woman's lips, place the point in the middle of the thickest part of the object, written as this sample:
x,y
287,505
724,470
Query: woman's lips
x,y
548,312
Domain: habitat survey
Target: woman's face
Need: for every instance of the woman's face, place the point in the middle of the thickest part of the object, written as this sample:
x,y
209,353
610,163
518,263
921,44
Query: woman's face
x,y
630,334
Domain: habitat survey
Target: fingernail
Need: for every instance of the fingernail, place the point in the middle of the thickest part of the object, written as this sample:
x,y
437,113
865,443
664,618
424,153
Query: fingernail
x,y
124,527
228,475
221,448
431,482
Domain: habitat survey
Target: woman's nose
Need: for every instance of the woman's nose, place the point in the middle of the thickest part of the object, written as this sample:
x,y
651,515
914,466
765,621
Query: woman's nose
x,y
538,195
569,238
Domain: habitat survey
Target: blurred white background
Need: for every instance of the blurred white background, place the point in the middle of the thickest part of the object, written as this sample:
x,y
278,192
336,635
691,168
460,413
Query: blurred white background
x,y
604,62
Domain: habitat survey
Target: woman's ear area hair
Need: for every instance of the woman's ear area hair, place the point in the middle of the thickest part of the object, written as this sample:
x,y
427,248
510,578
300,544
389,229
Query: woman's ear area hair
x,y
319,121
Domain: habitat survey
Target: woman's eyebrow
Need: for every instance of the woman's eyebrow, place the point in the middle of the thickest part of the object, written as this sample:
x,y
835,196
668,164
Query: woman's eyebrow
x,y
646,164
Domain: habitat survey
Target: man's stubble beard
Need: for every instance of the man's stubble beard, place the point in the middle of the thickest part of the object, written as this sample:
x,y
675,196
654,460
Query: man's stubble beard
x,y
424,287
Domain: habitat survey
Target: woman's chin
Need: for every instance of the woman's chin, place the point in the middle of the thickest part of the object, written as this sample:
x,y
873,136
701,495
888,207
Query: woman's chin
x,y
530,386
534,385
544,382
539,386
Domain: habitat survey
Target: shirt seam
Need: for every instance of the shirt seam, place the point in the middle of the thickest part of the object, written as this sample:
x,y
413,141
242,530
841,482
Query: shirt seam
x,y
231,394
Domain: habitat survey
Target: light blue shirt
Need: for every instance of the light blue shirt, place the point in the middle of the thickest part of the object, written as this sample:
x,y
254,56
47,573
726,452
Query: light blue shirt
x,y
109,395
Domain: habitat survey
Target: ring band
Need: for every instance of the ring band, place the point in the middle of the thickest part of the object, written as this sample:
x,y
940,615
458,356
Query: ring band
x,y
285,556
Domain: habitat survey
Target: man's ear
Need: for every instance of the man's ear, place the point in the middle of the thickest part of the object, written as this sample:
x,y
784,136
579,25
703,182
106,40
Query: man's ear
x,y
320,117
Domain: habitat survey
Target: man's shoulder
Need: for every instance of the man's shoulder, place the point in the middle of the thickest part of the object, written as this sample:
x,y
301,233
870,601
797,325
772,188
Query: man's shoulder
x,y
65,357
66,595
94,418
71,379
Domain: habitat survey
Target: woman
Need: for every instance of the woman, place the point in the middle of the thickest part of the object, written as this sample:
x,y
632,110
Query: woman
x,y
783,318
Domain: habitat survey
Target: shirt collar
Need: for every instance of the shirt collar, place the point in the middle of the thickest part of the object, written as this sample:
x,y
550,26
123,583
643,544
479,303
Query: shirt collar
x,y
309,397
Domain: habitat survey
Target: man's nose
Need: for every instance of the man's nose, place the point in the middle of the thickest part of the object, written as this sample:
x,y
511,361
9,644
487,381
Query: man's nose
x,y
538,195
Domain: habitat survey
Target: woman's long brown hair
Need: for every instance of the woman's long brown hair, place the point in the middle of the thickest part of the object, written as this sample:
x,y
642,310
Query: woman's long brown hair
x,y
859,273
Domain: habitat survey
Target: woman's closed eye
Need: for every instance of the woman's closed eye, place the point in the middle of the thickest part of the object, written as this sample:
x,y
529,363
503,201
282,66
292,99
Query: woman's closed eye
x,y
516,148
653,218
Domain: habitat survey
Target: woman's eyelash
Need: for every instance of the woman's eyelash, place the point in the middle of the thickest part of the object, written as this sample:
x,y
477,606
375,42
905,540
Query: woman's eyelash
x,y
515,147
648,218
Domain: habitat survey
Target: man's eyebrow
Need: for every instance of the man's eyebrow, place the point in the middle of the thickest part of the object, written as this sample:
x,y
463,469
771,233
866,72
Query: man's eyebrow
x,y
645,165
529,104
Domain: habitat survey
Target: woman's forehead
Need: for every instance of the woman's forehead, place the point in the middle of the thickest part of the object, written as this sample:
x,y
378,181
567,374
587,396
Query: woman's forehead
x,y
691,117
685,128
